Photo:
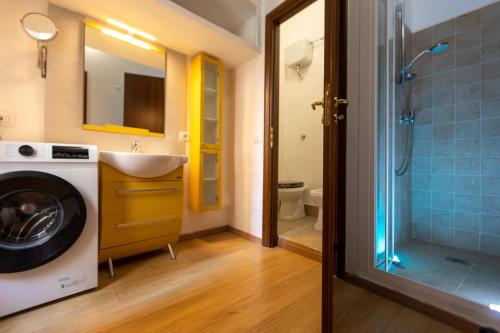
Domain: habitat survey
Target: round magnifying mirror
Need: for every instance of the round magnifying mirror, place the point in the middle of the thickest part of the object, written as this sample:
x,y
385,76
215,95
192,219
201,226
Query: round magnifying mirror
x,y
39,26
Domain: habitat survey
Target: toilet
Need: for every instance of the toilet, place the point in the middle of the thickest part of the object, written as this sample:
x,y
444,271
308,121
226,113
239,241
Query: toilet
x,y
291,206
317,198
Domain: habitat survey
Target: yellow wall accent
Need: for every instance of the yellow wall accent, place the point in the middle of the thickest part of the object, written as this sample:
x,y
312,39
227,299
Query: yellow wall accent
x,y
136,212
197,132
122,130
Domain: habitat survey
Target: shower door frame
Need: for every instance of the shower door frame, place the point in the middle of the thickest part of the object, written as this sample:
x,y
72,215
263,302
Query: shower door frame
x,y
334,141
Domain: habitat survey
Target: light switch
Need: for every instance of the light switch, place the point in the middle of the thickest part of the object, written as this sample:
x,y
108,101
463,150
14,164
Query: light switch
x,y
7,119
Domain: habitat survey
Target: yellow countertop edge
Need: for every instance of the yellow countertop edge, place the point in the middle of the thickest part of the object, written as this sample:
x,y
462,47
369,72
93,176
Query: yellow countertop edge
x,y
122,130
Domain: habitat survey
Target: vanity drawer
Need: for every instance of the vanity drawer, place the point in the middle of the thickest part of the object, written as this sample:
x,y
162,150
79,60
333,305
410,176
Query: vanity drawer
x,y
109,174
125,229
140,197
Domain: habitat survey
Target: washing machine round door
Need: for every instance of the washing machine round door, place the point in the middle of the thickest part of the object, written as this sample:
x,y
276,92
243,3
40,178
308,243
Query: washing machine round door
x,y
41,217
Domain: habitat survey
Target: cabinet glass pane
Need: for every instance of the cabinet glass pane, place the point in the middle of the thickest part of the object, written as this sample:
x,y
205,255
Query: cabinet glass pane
x,y
211,75
211,103
210,179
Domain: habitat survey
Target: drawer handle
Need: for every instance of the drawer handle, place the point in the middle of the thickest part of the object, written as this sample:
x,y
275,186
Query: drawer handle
x,y
146,190
161,220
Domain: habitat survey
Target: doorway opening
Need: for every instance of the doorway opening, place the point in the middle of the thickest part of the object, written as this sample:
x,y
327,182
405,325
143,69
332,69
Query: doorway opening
x,y
300,137
305,130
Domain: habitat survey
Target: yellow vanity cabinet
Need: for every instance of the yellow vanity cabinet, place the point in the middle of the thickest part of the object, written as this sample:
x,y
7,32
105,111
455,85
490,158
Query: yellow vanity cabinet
x,y
138,214
205,181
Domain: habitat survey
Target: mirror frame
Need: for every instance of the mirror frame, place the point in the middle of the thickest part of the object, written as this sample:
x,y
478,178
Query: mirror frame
x,y
34,38
118,129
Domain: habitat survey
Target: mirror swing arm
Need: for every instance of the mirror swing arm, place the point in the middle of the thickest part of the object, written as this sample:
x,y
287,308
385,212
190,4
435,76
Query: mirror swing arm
x,y
42,59
47,31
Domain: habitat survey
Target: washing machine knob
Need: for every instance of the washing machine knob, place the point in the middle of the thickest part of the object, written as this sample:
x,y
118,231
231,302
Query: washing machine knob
x,y
26,150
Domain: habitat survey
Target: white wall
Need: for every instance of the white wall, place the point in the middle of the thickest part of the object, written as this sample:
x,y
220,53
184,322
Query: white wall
x,y
248,138
22,90
426,13
302,159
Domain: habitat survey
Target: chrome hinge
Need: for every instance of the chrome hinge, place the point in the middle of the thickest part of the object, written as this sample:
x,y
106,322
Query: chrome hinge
x,y
337,117
336,102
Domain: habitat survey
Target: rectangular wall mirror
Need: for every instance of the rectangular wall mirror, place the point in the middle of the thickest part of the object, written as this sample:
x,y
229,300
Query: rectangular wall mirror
x,y
124,83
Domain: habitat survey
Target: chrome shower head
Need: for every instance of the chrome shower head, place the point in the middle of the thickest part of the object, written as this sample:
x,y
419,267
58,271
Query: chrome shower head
x,y
439,48
435,49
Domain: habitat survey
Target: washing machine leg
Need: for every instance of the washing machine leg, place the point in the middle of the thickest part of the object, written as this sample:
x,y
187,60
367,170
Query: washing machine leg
x,y
172,253
110,268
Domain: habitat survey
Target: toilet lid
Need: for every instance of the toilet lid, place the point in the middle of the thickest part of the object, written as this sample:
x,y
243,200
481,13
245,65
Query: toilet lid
x,y
289,184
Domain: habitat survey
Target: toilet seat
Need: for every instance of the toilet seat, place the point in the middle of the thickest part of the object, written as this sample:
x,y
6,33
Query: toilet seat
x,y
290,184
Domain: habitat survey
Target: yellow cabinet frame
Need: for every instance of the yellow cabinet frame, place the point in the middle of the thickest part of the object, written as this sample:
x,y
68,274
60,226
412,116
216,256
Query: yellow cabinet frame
x,y
198,96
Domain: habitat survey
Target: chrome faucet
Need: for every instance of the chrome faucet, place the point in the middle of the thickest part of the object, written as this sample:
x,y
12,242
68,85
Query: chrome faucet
x,y
136,145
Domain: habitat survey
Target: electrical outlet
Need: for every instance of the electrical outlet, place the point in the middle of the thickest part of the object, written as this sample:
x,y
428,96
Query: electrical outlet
x,y
7,119
183,136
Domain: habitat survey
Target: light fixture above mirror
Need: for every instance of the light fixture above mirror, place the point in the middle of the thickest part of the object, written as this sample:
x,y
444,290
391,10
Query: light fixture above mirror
x,y
130,30
127,34
42,29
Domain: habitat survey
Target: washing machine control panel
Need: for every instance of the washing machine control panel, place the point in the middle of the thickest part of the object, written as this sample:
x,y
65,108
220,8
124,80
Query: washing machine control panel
x,y
70,152
11,151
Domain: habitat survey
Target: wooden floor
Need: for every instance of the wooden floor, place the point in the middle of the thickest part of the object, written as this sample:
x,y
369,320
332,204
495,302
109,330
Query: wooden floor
x,y
220,283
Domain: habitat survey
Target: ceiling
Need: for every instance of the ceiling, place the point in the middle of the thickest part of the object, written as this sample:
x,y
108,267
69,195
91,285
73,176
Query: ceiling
x,y
229,14
179,30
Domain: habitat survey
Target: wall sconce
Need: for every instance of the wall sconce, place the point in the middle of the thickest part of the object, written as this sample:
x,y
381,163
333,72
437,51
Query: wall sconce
x,y
42,29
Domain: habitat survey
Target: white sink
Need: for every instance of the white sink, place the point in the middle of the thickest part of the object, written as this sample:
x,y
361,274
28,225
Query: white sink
x,y
142,165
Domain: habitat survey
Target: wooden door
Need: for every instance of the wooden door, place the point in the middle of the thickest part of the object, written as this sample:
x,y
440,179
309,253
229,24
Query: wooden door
x,y
334,153
144,102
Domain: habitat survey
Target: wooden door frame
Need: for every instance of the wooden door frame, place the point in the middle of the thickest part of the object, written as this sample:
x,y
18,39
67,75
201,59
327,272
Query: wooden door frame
x,y
334,141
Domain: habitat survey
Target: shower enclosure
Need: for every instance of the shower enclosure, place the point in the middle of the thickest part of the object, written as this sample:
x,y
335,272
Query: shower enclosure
x,y
438,146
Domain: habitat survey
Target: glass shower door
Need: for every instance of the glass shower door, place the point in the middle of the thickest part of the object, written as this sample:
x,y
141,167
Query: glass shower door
x,y
386,122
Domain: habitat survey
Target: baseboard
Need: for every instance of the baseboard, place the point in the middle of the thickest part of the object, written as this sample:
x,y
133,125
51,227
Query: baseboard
x,y
203,233
245,235
451,319
300,249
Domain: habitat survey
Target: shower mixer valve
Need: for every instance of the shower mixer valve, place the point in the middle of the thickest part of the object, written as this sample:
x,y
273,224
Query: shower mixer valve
x,y
410,118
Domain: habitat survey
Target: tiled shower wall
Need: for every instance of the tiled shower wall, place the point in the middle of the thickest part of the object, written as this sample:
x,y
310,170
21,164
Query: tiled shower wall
x,y
456,164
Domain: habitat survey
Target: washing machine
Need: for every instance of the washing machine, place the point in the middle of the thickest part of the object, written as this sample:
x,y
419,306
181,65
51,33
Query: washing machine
x,y
48,222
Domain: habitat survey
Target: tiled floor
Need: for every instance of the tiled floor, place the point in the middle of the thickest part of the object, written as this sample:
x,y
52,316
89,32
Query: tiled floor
x,y
301,231
475,276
